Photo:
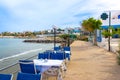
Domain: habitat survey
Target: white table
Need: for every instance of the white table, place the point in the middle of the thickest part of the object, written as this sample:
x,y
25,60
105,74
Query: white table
x,y
44,65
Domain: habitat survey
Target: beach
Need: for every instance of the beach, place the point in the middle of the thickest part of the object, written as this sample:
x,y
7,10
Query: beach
x,y
87,62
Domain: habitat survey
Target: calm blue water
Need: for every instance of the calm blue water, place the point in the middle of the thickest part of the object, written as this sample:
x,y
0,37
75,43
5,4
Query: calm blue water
x,y
12,50
10,47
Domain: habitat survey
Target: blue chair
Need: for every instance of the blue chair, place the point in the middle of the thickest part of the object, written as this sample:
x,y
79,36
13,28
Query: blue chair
x,y
25,60
57,48
59,55
67,54
41,56
66,48
27,76
49,52
53,56
6,76
27,66
46,55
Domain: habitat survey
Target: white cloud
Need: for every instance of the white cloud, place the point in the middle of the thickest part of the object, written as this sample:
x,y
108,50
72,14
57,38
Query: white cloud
x,y
42,14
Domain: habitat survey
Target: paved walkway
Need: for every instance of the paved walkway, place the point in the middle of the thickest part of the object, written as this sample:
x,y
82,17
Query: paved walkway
x,y
91,63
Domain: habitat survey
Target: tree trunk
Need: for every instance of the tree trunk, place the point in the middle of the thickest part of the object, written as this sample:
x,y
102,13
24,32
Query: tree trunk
x,y
68,42
109,43
95,37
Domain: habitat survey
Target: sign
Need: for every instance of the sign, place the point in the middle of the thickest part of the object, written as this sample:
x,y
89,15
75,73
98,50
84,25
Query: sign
x,y
104,16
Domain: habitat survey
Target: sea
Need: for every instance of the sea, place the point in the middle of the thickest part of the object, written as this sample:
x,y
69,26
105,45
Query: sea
x,y
12,50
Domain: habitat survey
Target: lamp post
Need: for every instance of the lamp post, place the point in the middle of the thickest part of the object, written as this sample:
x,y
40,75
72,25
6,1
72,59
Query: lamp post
x,y
109,30
68,38
104,16
54,28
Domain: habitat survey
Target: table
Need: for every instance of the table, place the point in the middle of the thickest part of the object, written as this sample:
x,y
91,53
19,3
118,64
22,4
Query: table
x,y
44,65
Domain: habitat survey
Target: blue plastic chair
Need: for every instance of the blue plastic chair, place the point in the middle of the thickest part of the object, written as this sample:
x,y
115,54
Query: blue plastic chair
x,y
48,53
27,76
57,48
27,66
53,56
59,55
45,55
67,56
41,56
25,60
6,76
66,48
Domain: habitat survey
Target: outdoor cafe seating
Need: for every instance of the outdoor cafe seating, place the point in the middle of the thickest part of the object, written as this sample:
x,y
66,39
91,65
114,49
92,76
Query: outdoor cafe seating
x,y
47,67
50,63
51,54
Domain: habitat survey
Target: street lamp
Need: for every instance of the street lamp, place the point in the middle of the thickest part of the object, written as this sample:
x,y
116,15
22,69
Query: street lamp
x,y
54,28
109,30
68,37
104,16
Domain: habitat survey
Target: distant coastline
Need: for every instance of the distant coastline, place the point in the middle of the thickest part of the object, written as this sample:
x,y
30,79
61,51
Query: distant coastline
x,y
42,41
7,36
15,37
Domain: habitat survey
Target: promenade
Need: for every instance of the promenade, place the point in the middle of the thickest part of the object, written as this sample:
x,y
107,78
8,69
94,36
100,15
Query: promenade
x,y
90,62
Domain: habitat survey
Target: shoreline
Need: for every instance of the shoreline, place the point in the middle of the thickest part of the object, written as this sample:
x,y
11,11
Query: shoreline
x,y
42,41
20,54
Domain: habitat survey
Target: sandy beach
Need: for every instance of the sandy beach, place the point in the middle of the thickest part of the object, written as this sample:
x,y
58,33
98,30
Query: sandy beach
x,y
88,62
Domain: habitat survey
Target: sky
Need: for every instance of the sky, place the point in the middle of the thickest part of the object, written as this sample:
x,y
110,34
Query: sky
x,y
36,15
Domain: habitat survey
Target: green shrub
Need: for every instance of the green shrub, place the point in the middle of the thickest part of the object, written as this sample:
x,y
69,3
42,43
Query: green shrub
x,y
84,38
118,59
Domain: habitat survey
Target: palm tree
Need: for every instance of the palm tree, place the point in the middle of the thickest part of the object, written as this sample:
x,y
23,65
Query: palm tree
x,y
92,25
